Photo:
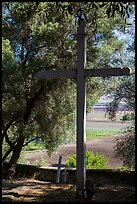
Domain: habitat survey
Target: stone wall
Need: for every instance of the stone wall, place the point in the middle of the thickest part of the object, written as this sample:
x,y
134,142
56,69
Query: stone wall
x,y
106,176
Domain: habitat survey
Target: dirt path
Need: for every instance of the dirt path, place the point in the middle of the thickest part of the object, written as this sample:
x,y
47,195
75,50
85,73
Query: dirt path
x,y
102,145
31,190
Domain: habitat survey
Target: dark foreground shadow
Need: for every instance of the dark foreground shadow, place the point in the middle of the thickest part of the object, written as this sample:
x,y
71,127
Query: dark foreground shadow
x,y
31,190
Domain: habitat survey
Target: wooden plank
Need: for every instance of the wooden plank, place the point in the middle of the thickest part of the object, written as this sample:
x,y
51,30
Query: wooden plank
x,y
80,74
101,72
56,74
56,165
106,72
126,71
59,170
81,113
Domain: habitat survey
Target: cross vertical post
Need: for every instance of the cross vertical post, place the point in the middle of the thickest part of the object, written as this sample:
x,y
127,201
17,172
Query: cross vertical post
x,y
81,110
80,74
58,170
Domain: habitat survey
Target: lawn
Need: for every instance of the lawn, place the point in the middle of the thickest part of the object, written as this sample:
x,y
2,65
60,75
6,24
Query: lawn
x,y
91,133
95,133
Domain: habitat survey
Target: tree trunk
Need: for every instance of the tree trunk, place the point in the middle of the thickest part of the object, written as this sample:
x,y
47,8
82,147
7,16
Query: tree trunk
x,y
14,158
18,147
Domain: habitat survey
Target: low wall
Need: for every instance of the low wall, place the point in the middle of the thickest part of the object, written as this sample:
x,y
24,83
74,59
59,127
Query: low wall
x,y
106,176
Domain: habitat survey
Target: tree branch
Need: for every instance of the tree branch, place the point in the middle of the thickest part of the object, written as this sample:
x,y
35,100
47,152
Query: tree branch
x,y
9,151
8,140
31,103
6,127
31,141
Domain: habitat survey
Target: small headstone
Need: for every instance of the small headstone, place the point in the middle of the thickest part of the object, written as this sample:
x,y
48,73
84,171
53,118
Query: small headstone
x,y
65,175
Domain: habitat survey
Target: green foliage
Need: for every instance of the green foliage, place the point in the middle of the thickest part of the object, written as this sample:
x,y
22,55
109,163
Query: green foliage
x,y
93,161
36,145
98,133
125,91
125,148
72,161
36,37
122,168
128,116
7,54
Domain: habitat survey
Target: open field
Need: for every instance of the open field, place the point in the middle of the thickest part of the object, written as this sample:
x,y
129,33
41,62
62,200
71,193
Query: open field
x,y
102,145
97,119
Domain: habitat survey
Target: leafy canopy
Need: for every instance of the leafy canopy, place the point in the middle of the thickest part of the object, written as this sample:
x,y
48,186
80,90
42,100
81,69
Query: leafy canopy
x,y
36,36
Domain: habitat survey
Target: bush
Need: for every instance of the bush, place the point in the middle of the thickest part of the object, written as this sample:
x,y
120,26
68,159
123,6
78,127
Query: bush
x,y
128,116
93,161
125,148
122,168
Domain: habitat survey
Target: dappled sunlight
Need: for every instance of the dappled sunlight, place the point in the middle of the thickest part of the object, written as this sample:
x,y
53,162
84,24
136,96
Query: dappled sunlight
x,y
32,190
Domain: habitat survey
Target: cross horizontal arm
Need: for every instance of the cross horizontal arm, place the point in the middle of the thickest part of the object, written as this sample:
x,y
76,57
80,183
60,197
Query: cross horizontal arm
x,y
56,74
59,165
102,72
105,72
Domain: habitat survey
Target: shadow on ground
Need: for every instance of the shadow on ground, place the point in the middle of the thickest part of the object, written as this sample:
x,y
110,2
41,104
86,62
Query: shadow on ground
x,y
31,190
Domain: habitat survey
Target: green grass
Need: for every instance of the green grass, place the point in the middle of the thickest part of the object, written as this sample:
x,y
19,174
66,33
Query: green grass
x,y
95,133
92,133
34,146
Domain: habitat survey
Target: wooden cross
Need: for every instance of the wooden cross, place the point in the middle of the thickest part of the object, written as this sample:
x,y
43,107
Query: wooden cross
x,y
80,74
59,165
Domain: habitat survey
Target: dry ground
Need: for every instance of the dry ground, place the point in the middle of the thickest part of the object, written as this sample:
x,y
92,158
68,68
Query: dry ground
x,y
31,190
102,145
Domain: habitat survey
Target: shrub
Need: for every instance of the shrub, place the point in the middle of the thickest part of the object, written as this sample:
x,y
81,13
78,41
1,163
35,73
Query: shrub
x,y
128,116
125,148
122,168
93,161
